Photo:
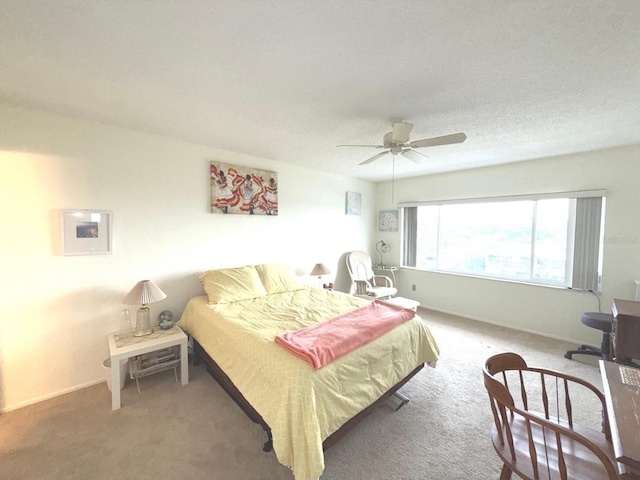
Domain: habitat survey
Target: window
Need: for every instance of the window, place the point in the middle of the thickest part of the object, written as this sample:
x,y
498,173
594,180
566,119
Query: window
x,y
552,239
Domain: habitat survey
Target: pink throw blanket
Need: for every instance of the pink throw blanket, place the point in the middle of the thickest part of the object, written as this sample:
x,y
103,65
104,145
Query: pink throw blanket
x,y
323,342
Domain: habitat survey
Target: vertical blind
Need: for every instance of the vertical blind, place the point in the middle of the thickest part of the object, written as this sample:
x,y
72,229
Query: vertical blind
x,y
410,235
586,248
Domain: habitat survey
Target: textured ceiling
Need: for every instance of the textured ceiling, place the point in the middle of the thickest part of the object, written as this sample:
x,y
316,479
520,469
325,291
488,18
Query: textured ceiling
x,y
290,80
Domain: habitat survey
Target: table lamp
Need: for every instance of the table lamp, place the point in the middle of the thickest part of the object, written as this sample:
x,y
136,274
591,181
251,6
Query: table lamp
x,y
319,270
382,248
144,293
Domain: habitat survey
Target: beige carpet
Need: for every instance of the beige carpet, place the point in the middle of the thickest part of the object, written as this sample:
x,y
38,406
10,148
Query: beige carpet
x,y
197,432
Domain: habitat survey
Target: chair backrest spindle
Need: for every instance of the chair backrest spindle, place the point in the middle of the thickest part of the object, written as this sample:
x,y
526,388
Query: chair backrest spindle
x,y
567,402
544,397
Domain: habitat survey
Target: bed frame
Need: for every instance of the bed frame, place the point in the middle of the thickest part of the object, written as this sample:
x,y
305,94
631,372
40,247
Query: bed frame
x,y
225,382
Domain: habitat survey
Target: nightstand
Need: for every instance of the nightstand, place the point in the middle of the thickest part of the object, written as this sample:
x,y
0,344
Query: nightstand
x,y
123,345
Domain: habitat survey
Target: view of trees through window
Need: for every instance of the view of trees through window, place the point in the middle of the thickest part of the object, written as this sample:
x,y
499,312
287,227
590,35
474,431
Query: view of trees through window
x,y
525,240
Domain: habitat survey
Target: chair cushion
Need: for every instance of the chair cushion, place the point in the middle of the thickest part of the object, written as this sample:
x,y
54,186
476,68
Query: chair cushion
x,y
597,320
379,292
359,265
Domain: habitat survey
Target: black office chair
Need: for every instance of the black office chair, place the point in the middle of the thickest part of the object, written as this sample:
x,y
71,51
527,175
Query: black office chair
x,y
599,321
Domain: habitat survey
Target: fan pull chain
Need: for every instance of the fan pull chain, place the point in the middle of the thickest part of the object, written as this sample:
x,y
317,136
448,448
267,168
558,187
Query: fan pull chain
x,y
393,179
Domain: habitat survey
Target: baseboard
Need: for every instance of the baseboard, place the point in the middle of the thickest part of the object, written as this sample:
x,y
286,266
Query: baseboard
x,y
500,324
57,393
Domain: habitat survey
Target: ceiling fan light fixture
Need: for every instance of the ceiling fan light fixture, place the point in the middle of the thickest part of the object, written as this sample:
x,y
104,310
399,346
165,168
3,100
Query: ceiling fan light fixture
x,y
401,132
397,142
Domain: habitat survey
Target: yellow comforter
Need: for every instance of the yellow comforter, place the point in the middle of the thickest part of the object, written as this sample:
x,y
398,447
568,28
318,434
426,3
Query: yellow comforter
x,y
301,405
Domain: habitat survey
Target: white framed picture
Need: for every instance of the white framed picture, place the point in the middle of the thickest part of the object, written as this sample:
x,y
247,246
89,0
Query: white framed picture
x,y
388,220
353,204
85,232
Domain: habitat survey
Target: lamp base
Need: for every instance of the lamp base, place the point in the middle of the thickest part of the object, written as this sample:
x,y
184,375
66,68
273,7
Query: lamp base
x,y
143,322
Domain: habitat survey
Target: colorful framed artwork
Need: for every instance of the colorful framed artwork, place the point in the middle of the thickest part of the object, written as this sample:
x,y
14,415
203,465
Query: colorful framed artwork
x,y
243,190
388,220
85,232
353,203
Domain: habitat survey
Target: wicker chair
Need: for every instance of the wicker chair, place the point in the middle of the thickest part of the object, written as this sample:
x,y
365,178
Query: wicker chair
x,y
534,432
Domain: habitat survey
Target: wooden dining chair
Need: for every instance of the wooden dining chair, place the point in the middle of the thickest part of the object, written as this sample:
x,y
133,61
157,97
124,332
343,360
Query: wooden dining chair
x,y
534,431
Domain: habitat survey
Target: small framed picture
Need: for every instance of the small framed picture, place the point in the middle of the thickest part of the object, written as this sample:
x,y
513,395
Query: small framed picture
x,y
388,221
353,203
85,232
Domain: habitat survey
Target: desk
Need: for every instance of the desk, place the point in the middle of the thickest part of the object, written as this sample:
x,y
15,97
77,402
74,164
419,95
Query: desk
x,y
625,333
125,345
623,407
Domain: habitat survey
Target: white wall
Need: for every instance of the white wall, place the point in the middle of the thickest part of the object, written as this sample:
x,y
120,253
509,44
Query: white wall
x,y
551,312
57,310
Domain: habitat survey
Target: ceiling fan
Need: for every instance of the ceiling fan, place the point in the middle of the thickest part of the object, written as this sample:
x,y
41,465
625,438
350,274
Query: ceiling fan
x,y
397,142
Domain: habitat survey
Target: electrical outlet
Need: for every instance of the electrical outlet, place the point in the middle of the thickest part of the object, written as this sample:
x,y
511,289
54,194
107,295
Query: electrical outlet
x,y
413,287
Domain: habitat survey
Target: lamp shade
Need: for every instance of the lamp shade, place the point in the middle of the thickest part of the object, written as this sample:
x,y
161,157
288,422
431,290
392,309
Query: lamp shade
x,y
319,269
144,293
383,247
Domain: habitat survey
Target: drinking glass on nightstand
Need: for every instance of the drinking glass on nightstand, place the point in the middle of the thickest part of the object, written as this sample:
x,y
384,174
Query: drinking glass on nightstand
x,y
125,320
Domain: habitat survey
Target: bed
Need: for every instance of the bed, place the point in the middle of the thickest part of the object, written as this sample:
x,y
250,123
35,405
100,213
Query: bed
x,y
303,410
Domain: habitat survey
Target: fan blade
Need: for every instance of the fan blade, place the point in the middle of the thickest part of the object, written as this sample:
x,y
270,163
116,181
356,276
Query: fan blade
x,y
414,155
444,140
368,146
401,132
374,158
